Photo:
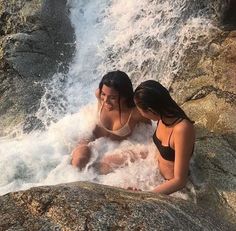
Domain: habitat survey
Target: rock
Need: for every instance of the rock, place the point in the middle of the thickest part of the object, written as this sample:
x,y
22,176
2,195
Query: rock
x,y
206,90
88,206
37,40
214,50
214,171
229,17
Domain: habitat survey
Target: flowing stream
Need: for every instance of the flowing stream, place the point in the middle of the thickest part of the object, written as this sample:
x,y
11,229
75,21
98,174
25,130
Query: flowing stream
x,y
146,39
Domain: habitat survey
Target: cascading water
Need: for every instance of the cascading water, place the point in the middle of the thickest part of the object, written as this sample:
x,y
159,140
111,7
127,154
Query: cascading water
x,y
146,39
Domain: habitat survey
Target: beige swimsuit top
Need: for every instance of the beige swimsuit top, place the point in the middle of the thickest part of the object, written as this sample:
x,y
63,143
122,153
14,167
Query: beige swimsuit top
x,y
122,132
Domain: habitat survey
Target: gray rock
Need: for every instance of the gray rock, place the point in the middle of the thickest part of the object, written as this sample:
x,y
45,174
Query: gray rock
x,y
88,206
37,40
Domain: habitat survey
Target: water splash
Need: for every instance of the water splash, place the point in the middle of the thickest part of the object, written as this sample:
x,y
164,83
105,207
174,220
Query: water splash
x,y
146,39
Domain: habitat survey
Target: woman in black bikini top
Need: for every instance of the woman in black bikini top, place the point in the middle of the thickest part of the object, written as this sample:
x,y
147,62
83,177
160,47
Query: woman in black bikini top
x,y
174,136
166,152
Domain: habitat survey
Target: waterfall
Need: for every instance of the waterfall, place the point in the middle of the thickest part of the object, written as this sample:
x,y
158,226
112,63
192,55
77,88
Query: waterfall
x,y
145,38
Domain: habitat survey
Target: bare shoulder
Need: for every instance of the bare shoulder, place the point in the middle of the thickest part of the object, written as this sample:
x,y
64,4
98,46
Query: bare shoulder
x,y
185,127
138,117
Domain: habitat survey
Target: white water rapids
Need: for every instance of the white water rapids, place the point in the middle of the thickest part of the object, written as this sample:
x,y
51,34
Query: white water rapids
x,y
144,38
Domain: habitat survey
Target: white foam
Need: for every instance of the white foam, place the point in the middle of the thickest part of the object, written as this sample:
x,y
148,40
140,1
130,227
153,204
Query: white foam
x,y
44,158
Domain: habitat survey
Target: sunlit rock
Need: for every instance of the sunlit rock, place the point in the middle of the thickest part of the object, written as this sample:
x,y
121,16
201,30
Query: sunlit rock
x,y
88,206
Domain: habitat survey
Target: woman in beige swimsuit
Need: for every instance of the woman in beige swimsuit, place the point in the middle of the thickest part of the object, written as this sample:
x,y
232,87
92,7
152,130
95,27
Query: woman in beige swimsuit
x,y
117,118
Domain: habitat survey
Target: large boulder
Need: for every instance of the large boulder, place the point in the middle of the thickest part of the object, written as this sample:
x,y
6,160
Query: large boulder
x,y
36,39
206,89
88,206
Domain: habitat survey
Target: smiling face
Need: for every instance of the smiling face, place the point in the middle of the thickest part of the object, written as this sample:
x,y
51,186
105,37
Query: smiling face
x,y
109,98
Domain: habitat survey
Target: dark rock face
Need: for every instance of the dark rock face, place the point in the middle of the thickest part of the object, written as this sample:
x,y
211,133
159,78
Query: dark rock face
x,y
87,206
229,17
36,42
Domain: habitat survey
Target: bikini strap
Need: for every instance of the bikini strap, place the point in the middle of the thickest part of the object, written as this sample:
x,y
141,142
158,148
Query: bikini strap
x,y
130,115
180,119
128,118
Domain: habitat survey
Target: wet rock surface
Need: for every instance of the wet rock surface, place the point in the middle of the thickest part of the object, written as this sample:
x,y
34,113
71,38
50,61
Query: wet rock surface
x,y
37,40
88,206
206,89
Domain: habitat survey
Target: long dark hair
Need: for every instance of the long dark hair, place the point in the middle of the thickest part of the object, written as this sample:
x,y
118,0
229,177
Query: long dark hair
x,y
151,95
121,82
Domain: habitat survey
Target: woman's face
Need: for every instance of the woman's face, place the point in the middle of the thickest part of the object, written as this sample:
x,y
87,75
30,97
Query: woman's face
x,y
149,114
109,97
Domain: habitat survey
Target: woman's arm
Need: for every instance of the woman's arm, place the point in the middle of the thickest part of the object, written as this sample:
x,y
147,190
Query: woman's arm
x,y
184,137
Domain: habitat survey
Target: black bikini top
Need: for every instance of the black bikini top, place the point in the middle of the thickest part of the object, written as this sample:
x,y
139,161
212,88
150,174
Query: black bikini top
x,y
166,152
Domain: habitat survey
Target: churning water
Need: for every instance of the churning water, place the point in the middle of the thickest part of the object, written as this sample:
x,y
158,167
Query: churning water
x,y
144,38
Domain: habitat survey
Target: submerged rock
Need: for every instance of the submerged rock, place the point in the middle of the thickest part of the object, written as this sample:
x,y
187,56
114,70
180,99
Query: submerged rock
x,y
88,206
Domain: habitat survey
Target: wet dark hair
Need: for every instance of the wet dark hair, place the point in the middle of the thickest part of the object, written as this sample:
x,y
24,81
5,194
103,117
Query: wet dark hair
x,y
151,95
121,82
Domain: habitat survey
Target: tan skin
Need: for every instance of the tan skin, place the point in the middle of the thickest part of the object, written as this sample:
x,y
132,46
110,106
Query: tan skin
x,y
111,119
182,141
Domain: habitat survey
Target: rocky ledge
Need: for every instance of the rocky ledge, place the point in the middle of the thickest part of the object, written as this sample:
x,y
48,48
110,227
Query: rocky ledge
x,y
88,206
